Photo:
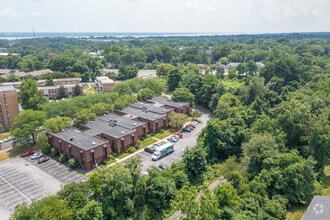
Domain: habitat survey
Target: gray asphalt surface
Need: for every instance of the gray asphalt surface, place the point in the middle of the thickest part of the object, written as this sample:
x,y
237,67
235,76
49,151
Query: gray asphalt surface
x,y
189,140
23,179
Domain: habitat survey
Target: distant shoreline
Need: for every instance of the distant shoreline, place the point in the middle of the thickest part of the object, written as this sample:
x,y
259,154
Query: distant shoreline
x,y
105,35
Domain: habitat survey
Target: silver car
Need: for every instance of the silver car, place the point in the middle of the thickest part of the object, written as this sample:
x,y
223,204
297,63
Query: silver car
x,y
36,156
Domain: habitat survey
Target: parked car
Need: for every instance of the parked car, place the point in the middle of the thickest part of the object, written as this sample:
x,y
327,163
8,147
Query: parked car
x,y
43,159
191,128
154,147
36,156
161,167
194,122
179,135
27,153
9,139
150,149
173,139
192,125
186,129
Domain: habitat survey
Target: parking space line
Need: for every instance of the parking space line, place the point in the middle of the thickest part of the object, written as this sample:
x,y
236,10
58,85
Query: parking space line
x,y
15,188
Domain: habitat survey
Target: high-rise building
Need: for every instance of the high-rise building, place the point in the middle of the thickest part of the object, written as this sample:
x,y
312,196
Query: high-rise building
x,y
9,107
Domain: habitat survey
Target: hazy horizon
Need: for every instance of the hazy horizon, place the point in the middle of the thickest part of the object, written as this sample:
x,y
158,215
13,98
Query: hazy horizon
x,y
155,16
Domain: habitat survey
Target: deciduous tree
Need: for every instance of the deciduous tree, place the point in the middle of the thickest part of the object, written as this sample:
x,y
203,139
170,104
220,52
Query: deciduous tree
x,y
31,97
26,124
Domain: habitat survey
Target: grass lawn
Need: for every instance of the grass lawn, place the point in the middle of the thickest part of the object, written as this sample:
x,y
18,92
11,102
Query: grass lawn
x,y
4,155
89,90
231,83
148,141
13,152
326,186
4,135
296,213
163,134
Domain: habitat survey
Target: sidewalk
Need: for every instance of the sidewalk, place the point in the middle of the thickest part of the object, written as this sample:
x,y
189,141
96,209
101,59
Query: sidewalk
x,y
128,156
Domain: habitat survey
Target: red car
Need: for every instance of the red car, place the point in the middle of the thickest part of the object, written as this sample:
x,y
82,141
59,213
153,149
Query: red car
x,y
180,135
191,128
27,153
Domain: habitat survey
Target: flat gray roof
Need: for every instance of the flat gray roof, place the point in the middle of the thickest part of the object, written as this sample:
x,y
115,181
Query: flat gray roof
x,y
121,121
7,88
98,127
142,114
318,209
151,108
162,101
80,138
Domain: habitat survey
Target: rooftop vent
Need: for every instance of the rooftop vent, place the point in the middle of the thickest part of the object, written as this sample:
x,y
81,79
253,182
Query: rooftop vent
x,y
156,116
93,143
134,123
122,132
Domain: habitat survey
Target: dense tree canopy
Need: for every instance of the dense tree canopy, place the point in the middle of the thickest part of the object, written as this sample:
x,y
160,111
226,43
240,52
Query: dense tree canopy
x,y
269,136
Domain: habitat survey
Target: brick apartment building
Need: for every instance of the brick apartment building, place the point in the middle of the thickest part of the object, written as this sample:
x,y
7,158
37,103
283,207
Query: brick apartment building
x,y
155,121
113,132
104,84
66,81
88,150
52,92
9,107
179,107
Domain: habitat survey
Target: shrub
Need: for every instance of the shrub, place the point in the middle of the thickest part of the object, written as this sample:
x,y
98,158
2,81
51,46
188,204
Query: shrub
x,y
131,150
73,163
63,158
196,114
54,151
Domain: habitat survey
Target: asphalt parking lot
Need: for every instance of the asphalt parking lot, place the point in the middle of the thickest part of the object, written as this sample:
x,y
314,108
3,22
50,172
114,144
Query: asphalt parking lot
x,y
189,140
23,180
58,171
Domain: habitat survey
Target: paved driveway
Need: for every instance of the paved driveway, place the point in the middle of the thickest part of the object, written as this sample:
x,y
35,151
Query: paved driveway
x,y
189,140
22,180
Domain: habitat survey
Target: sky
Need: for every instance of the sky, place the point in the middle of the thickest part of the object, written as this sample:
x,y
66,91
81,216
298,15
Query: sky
x,y
190,16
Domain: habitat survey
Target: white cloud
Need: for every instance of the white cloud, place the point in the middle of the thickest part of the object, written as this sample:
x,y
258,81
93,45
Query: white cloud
x,y
36,14
280,11
190,5
9,12
199,7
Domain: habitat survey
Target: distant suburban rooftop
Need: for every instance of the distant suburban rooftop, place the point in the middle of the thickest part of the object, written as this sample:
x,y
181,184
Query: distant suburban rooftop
x,y
104,79
7,54
146,74
7,88
142,114
318,209
121,121
102,127
65,79
40,72
79,138
161,101
6,71
151,108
